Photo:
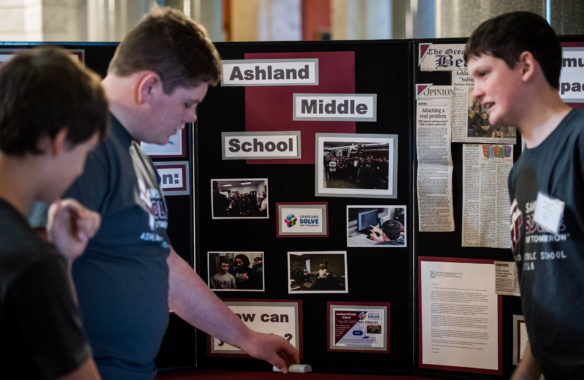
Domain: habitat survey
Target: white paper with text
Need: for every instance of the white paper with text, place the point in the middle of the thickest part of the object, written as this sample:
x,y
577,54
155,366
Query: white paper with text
x,y
459,315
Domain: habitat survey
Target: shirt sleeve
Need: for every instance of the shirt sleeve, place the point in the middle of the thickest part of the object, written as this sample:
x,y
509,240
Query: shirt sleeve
x,y
91,187
48,319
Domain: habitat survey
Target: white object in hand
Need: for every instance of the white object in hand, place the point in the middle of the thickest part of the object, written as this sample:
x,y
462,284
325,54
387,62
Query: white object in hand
x,y
296,368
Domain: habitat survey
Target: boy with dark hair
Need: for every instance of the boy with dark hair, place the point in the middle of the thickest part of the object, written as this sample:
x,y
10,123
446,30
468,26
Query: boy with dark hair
x,y
515,61
388,234
223,279
52,113
130,275
189,57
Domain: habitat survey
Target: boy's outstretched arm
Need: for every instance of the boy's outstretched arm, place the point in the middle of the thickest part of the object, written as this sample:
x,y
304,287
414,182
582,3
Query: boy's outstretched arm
x,y
86,371
191,299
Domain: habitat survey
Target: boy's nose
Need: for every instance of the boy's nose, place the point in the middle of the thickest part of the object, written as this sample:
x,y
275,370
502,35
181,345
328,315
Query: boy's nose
x,y
477,93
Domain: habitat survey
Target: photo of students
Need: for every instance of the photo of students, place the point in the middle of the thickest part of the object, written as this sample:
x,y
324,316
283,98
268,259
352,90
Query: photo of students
x,y
356,165
317,272
376,226
232,271
223,279
240,198
478,121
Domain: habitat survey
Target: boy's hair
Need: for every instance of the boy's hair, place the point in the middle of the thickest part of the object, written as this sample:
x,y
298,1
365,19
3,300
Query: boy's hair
x,y
509,35
173,46
223,260
391,228
44,90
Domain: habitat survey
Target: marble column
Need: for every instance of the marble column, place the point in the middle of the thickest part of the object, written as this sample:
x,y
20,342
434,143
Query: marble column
x,y
360,19
43,20
210,14
266,20
458,18
567,16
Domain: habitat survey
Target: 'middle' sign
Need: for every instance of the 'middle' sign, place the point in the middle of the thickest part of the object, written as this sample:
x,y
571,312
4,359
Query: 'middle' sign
x,y
270,72
335,107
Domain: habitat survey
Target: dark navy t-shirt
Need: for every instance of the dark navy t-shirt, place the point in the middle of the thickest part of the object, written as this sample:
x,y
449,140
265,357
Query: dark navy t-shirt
x,y
551,266
122,278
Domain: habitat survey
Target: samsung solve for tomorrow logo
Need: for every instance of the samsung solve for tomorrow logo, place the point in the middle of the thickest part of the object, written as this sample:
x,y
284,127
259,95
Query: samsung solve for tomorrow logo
x,y
302,220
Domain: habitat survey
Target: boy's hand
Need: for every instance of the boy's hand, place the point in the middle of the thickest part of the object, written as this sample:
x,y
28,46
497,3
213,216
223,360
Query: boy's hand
x,y
70,226
376,234
273,349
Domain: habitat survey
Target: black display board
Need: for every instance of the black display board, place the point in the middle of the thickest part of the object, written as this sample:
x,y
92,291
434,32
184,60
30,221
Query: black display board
x,y
388,69
374,274
448,244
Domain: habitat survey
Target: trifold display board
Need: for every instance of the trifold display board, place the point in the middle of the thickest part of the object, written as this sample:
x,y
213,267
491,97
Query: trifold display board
x,y
467,308
320,135
350,197
461,208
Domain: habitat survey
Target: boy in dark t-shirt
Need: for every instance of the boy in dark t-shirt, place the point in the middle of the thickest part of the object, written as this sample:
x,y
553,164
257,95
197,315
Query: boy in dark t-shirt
x,y
515,60
160,72
52,113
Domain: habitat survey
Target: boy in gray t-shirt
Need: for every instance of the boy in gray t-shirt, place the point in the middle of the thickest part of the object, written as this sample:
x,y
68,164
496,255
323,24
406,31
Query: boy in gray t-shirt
x,y
223,279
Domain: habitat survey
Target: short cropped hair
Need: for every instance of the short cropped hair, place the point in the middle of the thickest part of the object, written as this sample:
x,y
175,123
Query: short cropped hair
x,y
44,90
173,46
392,229
510,34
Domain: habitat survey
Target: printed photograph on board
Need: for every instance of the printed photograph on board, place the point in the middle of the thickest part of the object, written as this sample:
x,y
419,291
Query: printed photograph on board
x,y
239,198
478,122
358,327
379,226
317,272
351,165
235,271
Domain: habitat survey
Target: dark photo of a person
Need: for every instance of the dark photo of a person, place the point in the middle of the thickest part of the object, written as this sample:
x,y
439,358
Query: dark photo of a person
x,y
223,279
390,233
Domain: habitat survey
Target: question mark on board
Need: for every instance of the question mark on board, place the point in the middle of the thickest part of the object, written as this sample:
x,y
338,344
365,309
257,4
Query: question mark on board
x,y
288,337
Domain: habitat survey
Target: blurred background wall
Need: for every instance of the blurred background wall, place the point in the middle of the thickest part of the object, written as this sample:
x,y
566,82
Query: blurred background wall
x,y
276,20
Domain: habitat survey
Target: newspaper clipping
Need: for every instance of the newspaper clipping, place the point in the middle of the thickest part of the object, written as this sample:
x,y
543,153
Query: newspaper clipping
x,y
470,121
507,279
434,177
485,202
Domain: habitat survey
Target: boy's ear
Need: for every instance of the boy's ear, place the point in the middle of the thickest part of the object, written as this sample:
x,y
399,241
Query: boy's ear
x,y
53,146
527,65
57,144
148,85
